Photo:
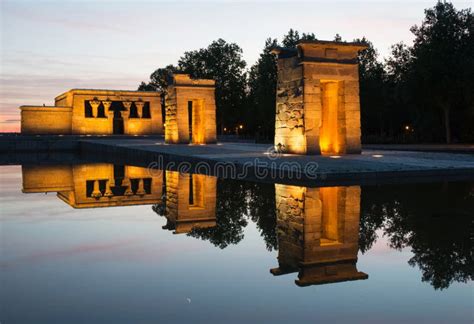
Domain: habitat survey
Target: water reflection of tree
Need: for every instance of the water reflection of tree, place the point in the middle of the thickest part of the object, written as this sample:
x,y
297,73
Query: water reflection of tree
x,y
230,215
433,220
236,202
261,204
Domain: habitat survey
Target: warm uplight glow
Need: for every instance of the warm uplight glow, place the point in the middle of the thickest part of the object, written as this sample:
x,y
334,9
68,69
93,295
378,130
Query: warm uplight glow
x,y
330,140
335,156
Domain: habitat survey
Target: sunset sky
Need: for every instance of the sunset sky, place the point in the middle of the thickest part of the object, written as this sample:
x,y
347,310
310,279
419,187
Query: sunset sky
x,y
48,47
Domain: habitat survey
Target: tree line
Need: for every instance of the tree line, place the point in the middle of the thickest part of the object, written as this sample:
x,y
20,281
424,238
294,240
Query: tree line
x,y
423,92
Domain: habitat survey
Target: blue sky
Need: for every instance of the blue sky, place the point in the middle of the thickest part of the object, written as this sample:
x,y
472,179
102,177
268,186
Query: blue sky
x,y
48,47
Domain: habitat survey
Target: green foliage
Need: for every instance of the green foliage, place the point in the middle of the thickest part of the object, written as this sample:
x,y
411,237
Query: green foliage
x,y
441,70
222,62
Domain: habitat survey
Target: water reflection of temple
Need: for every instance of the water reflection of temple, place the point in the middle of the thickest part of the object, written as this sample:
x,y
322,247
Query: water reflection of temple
x,y
190,201
318,230
95,185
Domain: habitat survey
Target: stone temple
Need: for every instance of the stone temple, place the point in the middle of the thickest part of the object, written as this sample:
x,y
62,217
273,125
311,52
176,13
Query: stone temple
x,y
96,112
317,104
190,111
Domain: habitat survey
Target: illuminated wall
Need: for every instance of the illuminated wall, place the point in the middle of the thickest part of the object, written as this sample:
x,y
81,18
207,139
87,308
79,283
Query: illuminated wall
x,y
82,111
317,104
318,232
95,185
190,111
190,201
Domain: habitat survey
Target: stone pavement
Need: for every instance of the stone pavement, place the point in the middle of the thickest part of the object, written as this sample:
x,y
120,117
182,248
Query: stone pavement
x,y
254,159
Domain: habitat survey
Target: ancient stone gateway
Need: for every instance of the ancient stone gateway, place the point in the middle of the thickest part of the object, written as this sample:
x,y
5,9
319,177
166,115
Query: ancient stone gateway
x,y
318,233
317,104
190,111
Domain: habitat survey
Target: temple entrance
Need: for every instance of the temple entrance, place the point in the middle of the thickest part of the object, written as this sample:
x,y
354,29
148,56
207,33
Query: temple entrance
x,y
118,127
332,131
190,120
195,121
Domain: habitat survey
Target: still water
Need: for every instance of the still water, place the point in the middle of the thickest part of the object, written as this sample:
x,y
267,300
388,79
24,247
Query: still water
x,y
98,243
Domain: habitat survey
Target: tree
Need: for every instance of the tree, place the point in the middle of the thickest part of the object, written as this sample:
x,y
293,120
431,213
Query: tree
x,y
222,62
230,215
442,66
262,93
159,82
293,37
371,81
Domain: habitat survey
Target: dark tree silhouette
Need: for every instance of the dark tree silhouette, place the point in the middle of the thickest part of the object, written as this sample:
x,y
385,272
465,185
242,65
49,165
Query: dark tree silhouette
x,y
442,64
222,62
261,205
231,212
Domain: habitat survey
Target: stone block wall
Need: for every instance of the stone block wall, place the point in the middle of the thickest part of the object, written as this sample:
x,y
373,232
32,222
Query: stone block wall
x,y
69,116
46,120
201,95
317,104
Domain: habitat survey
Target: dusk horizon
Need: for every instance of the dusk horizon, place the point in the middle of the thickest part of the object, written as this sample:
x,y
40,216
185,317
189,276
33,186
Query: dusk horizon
x,y
50,47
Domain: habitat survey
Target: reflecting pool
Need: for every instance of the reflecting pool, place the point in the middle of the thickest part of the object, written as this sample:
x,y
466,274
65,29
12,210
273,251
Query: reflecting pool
x,y
104,243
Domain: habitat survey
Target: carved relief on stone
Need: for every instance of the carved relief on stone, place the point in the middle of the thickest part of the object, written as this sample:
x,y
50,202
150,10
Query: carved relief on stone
x,y
127,104
141,190
108,192
95,105
107,103
139,105
96,192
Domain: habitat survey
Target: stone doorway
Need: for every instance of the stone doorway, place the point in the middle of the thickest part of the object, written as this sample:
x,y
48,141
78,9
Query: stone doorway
x,y
196,121
190,111
332,130
118,127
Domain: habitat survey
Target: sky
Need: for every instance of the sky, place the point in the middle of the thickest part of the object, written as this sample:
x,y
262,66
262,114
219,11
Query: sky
x,y
49,47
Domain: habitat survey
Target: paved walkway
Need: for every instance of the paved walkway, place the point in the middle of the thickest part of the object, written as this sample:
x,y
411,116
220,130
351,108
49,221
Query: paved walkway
x,y
371,164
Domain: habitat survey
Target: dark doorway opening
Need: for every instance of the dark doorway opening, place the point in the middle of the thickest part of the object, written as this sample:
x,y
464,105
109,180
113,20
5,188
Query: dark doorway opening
x,y
118,122
190,120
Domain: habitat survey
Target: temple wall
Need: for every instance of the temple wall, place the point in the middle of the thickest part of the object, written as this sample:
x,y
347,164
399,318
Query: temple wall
x,y
69,116
45,120
346,76
289,122
104,125
317,103
201,94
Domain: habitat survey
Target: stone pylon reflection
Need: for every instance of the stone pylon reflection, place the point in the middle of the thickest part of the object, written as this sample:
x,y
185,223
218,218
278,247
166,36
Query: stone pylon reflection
x,y
318,230
190,201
